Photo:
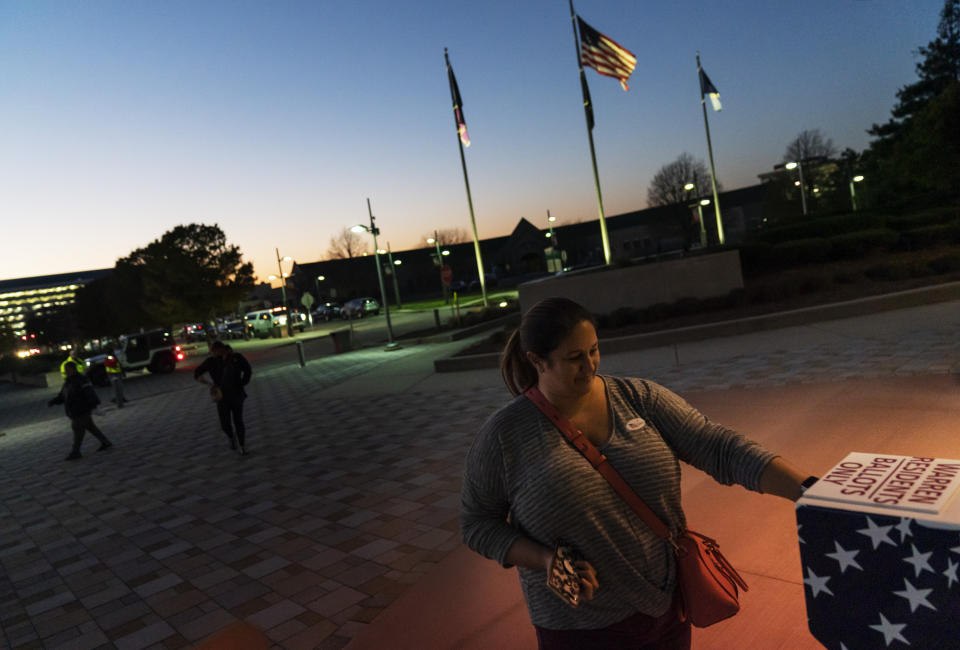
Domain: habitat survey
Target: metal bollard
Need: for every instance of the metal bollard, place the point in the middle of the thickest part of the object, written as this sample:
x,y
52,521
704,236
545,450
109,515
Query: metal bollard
x,y
436,318
303,359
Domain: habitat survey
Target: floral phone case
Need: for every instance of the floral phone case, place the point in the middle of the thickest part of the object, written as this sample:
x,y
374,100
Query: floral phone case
x,y
563,579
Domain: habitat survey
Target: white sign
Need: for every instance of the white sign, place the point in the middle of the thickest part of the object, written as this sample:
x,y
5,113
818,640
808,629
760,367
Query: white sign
x,y
882,480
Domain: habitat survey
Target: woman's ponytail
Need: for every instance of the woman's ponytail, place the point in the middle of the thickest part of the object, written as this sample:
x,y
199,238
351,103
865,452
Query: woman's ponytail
x,y
517,371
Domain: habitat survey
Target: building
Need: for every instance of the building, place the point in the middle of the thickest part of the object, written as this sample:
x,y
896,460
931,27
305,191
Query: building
x,y
21,298
529,251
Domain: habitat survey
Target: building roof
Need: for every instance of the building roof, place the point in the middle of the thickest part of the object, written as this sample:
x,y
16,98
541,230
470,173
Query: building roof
x,y
46,281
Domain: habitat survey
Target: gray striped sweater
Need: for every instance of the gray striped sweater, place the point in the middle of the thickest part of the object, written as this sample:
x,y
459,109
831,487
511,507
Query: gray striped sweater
x,y
523,478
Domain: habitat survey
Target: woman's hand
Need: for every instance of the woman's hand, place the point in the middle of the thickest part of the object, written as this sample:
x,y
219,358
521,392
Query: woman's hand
x,y
588,579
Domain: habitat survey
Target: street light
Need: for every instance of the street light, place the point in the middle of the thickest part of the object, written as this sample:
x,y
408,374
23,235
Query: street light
x,y
435,240
689,187
373,230
393,271
803,192
316,281
283,289
853,195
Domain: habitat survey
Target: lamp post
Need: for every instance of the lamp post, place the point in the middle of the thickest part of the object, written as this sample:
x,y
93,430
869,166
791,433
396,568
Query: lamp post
x,y
853,194
373,230
803,191
394,267
435,240
283,290
689,187
316,281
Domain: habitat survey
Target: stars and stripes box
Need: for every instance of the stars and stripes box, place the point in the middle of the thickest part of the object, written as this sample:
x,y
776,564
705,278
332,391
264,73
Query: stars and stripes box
x,y
880,548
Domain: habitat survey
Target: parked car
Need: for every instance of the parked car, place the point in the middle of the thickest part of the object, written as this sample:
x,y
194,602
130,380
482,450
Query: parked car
x,y
360,308
298,320
259,323
327,311
154,350
194,332
489,279
230,329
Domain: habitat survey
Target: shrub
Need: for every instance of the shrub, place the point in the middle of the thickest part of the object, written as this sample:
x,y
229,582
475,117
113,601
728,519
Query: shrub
x,y
736,298
925,218
945,264
622,316
891,271
656,312
823,227
801,251
858,244
813,284
927,236
755,258
846,277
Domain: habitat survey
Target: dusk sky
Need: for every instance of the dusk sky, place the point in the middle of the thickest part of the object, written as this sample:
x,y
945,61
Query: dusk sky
x,y
276,120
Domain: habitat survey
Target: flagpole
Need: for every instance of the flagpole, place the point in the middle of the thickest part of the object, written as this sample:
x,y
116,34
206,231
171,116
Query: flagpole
x,y
713,171
604,237
473,220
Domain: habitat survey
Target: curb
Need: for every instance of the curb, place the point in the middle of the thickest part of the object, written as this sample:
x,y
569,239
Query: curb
x,y
806,315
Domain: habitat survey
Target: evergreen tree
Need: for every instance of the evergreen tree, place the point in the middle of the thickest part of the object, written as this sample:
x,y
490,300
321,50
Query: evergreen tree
x,y
916,156
938,67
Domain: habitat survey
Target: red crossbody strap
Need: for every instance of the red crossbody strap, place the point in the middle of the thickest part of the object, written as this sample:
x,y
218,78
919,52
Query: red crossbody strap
x,y
599,462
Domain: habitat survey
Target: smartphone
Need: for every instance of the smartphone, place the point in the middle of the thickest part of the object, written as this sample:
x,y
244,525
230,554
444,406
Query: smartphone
x,y
563,579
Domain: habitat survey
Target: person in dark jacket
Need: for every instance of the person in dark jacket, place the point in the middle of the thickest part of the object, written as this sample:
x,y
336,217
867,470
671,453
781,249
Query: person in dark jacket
x,y
229,372
79,400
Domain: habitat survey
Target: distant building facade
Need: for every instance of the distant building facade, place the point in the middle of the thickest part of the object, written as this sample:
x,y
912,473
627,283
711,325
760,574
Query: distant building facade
x,y
528,251
21,298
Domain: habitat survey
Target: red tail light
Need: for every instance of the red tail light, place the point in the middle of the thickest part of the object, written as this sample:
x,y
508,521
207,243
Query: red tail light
x,y
179,356
177,348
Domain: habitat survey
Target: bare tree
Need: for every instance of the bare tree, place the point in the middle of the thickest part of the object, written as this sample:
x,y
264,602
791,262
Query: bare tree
x,y
449,236
809,144
667,186
346,244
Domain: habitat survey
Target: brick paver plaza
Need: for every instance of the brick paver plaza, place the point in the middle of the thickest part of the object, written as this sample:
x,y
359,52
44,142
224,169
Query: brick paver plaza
x,y
347,498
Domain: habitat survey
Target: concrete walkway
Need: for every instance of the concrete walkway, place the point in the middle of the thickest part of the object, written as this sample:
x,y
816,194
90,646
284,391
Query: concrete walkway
x,y
342,524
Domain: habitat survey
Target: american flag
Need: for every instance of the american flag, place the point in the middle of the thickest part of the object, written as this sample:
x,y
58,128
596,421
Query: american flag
x,y
877,581
605,55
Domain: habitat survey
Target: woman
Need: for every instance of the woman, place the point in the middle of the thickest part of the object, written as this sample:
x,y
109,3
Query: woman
x,y
525,486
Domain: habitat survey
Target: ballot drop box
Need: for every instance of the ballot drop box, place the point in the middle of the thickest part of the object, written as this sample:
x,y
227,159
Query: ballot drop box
x,y
880,549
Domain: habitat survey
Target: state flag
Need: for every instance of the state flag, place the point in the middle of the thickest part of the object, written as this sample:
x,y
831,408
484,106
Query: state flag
x,y
707,88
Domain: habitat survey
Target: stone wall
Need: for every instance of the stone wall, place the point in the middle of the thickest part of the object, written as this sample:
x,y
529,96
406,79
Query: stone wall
x,y
701,276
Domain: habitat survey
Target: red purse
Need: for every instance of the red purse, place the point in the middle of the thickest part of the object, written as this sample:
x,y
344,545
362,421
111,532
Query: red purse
x,y
709,585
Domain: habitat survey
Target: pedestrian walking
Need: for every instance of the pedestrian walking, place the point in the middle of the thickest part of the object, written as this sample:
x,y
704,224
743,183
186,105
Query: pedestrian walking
x,y
229,372
72,357
115,373
79,400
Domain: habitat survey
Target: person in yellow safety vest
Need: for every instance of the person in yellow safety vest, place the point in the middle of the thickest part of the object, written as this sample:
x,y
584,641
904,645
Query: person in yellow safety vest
x,y
73,357
115,373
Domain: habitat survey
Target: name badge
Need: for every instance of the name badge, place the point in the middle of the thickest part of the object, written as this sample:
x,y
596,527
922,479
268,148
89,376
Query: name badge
x,y
636,424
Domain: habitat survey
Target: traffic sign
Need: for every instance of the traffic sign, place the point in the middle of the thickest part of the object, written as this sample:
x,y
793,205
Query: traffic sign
x,y
307,300
446,274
